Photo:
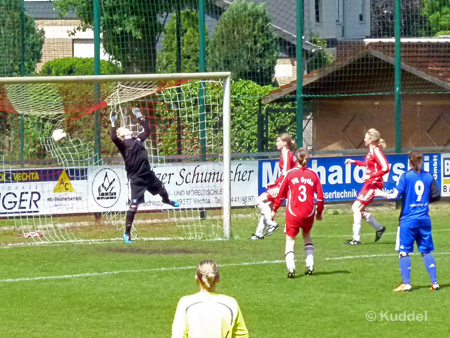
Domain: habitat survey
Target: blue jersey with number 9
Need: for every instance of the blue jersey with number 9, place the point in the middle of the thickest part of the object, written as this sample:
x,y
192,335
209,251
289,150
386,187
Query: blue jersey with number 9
x,y
415,188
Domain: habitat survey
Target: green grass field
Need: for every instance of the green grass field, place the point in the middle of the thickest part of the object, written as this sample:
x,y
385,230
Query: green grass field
x,y
117,290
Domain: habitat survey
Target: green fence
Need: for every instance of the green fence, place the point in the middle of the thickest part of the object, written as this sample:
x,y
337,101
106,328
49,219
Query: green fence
x,y
380,56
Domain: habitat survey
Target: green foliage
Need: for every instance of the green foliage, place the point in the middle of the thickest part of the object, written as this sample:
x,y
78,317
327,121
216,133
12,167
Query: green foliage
x,y
189,33
11,41
438,13
438,34
320,58
177,113
413,22
244,44
130,28
245,109
77,66
246,95
35,129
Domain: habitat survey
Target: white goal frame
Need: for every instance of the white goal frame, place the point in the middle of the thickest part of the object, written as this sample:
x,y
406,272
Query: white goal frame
x,y
225,76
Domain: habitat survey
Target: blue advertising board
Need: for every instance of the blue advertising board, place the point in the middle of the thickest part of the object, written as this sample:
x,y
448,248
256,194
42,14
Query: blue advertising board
x,y
342,182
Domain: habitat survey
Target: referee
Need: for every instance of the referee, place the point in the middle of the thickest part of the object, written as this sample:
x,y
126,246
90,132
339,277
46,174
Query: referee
x,y
140,176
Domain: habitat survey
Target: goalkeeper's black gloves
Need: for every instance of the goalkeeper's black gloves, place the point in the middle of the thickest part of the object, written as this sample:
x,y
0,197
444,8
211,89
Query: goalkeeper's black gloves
x,y
113,118
138,114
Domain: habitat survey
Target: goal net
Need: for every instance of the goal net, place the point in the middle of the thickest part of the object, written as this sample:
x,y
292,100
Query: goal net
x,y
62,179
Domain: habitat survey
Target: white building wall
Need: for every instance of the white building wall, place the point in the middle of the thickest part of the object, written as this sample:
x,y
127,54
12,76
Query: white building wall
x,y
59,43
338,18
356,26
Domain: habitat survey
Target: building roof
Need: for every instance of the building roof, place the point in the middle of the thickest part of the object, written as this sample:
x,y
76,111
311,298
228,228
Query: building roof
x,y
369,69
283,19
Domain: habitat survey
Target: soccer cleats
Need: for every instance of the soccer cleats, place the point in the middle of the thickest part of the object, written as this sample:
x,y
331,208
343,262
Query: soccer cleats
x,y
291,273
352,242
402,288
255,238
435,286
271,229
309,270
127,238
379,233
175,204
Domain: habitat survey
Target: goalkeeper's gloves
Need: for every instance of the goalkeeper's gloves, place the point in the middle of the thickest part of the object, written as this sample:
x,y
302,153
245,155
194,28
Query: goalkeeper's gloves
x,y
137,113
113,118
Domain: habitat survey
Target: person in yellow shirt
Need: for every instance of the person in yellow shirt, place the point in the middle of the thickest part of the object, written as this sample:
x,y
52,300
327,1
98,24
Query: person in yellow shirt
x,y
207,313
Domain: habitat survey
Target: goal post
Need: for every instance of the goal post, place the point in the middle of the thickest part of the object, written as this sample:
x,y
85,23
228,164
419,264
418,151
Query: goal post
x,y
49,188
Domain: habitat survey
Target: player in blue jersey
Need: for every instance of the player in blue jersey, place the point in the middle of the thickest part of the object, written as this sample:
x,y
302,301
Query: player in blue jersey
x,y
418,189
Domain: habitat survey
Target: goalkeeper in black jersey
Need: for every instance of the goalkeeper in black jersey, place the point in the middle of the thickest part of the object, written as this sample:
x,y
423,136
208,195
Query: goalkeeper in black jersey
x,y
140,176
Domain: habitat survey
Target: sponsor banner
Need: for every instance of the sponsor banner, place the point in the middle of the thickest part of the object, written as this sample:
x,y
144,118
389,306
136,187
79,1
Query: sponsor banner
x,y
43,191
445,175
342,182
193,185
105,188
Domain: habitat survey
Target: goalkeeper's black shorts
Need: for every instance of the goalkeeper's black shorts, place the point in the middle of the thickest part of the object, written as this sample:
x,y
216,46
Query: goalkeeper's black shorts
x,y
139,186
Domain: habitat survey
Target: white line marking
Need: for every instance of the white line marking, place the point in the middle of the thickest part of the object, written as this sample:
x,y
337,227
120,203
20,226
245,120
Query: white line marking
x,y
112,240
188,268
128,271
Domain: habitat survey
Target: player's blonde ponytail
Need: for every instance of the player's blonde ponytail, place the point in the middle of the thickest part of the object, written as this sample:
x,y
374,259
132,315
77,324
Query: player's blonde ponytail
x,y
302,157
288,139
376,137
207,273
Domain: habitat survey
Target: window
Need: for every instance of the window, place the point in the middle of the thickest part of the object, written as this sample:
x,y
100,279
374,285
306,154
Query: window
x,y
363,9
318,10
339,10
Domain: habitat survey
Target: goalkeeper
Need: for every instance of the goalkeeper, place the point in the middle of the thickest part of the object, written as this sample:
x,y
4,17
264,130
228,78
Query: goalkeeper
x,y
139,173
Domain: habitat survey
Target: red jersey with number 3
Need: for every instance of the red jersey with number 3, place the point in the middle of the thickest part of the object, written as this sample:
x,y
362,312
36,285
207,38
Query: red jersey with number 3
x,y
298,187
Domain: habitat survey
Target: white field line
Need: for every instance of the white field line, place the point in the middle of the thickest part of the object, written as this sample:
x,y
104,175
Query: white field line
x,y
26,279
117,239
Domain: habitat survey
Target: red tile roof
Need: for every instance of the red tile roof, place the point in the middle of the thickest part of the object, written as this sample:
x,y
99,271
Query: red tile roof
x,y
367,66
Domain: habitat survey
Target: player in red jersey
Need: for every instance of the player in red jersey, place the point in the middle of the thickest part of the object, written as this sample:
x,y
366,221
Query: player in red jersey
x,y
266,199
299,187
376,167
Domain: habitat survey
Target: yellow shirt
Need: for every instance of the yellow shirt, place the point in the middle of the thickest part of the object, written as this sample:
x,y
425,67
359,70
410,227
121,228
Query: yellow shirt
x,y
208,315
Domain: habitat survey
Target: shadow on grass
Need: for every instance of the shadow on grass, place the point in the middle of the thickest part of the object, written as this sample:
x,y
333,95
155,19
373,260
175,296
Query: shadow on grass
x,y
318,273
380,243
428,286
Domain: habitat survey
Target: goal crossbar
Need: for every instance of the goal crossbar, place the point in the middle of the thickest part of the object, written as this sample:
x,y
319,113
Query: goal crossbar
x,y
115,78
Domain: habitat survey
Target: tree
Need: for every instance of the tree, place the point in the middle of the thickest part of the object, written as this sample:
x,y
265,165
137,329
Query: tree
x,y
130,28
11,40
244,44
321,57
438,13
413,22
189,32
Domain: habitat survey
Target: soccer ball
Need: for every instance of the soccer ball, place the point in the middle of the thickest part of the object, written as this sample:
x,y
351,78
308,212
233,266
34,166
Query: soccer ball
x,y
58,135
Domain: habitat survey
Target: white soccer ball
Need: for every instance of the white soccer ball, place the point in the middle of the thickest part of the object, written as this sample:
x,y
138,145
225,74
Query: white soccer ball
x,y
58,135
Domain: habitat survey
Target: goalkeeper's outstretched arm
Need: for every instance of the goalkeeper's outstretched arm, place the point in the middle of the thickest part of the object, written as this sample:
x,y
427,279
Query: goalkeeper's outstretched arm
x,y
146,133
113,132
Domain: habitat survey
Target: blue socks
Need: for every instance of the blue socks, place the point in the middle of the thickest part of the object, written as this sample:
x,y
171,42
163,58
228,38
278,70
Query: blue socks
x,y
405,269
430,264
